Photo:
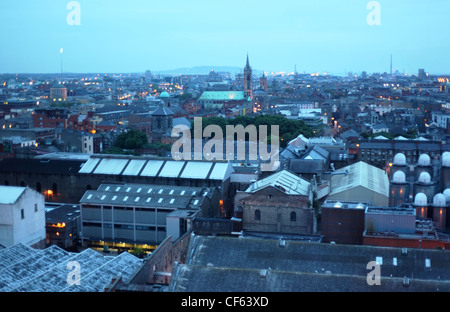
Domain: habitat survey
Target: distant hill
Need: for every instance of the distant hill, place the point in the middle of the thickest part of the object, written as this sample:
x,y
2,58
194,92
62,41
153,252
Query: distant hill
x,y
203,70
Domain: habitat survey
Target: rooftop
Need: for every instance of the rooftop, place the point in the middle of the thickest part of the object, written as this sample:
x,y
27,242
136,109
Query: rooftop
x,y
223,95
216,264
361,174
10,194
285,181
153,167
146,195
24,269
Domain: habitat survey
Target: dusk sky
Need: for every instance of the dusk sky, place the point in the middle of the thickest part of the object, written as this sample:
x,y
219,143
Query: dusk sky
x,y
136,35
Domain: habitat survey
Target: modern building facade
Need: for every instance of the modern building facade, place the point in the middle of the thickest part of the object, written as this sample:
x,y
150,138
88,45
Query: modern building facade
x,y
125,215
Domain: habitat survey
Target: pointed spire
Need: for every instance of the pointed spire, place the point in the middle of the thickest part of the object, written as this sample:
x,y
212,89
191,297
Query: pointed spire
x,y
248,63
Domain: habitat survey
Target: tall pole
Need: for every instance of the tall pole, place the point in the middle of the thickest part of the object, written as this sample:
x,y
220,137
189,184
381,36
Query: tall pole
x,y
61,52
391,64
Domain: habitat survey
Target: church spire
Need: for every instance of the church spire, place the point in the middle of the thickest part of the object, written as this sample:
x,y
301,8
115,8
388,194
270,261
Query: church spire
x,y
248,63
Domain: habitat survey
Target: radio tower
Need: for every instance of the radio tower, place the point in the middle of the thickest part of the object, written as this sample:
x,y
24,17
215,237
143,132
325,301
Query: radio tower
x,y
391,64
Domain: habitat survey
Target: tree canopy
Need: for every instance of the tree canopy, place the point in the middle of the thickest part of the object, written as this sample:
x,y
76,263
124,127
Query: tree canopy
x,y
288,128
131,139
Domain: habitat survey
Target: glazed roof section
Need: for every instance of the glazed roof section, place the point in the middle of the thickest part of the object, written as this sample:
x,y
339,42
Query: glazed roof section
x,y
24,269
162,168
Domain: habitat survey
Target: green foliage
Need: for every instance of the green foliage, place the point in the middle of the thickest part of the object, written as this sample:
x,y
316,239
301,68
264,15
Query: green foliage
x,y
138,252
288,128
115,150
158,146
132,139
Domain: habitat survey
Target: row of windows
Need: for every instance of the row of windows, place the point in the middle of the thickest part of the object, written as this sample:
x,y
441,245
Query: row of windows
x,y
125,226
293,216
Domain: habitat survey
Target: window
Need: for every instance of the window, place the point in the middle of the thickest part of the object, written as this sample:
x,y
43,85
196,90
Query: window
x,y
22,213
38,187
35,207
257,215
55,189
293,216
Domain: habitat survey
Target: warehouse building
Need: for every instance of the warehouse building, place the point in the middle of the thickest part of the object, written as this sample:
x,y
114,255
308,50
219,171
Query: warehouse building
x,y
360,182
118,217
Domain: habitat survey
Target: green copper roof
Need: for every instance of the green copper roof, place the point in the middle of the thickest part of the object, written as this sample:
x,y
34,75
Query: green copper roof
x,y
223,95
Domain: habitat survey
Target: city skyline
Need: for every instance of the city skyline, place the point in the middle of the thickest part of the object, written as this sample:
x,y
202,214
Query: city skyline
x,y
323,36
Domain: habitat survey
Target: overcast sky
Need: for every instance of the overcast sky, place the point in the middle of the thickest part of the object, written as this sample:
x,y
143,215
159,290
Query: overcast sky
x,y
136,35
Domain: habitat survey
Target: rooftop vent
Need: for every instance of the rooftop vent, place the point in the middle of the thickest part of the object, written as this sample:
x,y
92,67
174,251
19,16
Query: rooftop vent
x,y
282,243
263,273
399,177
424,160
446,159
400,159
405,282
424,178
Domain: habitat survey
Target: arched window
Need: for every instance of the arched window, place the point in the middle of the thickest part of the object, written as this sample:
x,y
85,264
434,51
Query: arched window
x,y
257,215
293,216
38,187
55,189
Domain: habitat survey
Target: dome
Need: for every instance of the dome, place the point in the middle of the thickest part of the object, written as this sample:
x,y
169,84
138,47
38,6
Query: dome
x,y
424,160
446,159
420,199
424,178
446,193
164,95
439,200
399,177
400,159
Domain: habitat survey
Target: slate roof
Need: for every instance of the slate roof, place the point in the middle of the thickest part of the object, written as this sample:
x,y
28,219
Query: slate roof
x,y
162,111
50,166
217,264
306,166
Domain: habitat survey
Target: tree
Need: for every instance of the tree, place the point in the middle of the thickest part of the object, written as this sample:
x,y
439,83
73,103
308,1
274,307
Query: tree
x,y
132,139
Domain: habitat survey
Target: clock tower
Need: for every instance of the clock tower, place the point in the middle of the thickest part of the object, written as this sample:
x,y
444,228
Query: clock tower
x,y
248,84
